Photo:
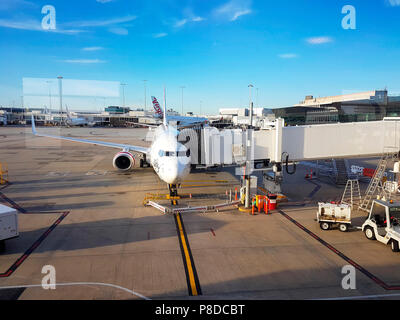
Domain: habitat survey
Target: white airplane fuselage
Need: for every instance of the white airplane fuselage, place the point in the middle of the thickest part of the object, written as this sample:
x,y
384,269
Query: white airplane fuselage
x,y
77,122
169,158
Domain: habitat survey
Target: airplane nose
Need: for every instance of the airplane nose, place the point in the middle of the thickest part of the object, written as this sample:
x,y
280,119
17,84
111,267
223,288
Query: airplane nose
x,y
176,172
170,173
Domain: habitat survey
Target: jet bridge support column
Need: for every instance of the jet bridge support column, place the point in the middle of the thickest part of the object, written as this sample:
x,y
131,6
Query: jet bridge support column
x,y
277,159
247,168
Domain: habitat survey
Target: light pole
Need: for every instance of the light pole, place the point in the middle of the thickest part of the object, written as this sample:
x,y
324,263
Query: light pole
x,y
60,93
49,83
250,87
250,105
247,166
182,87
200,106
123,94
22,105
145,98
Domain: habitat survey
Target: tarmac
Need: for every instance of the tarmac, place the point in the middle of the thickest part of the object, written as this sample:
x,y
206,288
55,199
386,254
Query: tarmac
x,y
79,215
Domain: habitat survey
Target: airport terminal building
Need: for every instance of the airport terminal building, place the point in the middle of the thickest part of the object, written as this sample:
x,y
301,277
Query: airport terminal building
x,y
355,107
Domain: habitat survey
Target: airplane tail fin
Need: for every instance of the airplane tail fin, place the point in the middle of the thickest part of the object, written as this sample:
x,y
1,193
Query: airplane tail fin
x,y
68,114
33,125
157,107
165,121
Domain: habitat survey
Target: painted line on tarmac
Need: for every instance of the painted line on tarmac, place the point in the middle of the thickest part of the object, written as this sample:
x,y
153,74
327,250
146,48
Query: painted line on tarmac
x,y
340,254
80,284
15,205
28,252
316,189
192,278
6,185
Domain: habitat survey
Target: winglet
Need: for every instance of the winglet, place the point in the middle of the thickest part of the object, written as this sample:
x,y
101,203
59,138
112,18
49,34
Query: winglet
x,y
33,125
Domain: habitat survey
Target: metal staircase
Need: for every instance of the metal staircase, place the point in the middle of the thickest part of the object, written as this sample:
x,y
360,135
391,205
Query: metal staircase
x,y
352,194
340,171
376,182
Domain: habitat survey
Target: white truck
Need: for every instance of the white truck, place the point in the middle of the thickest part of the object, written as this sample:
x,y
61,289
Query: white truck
x,y
332,214
383,223
8,225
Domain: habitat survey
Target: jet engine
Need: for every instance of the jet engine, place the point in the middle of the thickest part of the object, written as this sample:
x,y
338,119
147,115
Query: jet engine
x,y
123,161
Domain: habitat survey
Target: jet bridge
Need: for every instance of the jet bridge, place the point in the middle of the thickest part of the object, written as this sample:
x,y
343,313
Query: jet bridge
x,y
325,141
300,143
278,144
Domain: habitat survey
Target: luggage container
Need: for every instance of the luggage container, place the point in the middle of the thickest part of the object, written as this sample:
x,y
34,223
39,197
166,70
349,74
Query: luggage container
x,y
331,214
8,225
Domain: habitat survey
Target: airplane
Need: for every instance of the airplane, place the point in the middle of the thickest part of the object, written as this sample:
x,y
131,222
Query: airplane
x,y
80,122
181,121
169,158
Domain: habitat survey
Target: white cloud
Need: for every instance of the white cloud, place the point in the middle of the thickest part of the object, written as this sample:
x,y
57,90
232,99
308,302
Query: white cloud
x,y
319,40
181,23
92,48
160,35
102,23
288,56
240,13
233,9
104,1
393,3
83,61
198,19
13,4
119,31
22,25
190,18
33,25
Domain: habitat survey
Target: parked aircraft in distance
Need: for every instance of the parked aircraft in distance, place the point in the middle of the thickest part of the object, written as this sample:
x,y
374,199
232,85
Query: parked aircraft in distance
x,y
78,121
181,121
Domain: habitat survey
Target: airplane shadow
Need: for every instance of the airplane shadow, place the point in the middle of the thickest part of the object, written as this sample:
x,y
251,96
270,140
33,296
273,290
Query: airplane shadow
x,y
103,233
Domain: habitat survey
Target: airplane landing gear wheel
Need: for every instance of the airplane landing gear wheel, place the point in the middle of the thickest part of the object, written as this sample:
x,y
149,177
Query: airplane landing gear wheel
x,y
173,192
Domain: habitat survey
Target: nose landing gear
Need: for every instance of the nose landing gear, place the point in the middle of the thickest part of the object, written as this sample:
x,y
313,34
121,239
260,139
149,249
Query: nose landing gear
x,y
173,194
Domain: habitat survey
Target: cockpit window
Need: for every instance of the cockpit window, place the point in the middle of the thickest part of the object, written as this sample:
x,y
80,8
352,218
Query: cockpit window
x,y
163,153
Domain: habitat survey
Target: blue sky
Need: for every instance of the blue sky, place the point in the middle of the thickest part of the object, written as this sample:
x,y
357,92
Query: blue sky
x,y
286,49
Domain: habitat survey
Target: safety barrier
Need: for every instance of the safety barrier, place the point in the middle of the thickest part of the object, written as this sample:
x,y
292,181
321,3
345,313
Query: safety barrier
x,y
3,173
263,203
216,207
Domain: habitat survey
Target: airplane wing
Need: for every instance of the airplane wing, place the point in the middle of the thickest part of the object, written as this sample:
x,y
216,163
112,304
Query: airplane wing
x,y
95,142
145,124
